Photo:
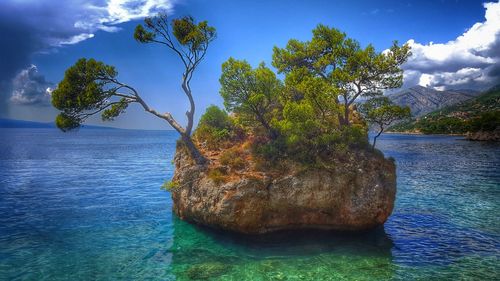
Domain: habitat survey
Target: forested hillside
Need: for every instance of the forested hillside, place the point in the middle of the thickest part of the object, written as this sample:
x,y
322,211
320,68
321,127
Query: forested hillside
x,y
475,115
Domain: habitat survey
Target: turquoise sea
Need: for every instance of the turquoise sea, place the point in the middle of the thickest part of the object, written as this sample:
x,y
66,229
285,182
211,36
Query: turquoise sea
x,y
88,206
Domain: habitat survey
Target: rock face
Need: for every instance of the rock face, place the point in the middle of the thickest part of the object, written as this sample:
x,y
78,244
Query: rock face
x,y
357,195
484,136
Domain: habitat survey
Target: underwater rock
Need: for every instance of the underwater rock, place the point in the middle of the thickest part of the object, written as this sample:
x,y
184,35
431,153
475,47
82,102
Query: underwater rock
x,y
206,270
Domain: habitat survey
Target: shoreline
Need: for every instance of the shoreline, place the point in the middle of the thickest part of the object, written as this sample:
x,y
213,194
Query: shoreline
x,y
422,134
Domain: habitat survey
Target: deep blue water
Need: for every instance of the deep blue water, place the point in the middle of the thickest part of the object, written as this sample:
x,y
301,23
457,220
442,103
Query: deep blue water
x,y
88,206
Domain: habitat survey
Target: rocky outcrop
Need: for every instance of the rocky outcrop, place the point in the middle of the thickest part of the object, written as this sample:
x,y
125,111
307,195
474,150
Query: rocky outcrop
x,y
484,136
356,194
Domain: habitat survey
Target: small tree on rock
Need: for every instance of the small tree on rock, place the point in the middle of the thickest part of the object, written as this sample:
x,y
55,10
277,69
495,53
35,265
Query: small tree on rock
x,y
382,112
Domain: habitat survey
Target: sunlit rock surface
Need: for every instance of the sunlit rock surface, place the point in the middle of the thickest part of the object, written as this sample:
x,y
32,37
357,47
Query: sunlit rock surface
x,y
356,194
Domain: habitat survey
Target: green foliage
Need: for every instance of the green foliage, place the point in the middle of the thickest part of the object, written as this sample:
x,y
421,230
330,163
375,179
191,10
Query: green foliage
x,y
86,89
83,86
445,125
382,112
303,118
66,123
115,110
312,95
214,128
195,37
346,69
302,130
311,129
216,118
355,135
487,121
271,151
142,35
250,93
170,185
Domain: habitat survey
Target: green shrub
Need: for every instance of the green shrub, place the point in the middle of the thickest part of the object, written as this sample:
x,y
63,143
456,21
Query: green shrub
x,y
270,151
170,185
355,135
215,127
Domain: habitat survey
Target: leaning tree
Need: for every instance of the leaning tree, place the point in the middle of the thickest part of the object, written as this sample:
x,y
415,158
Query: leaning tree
x,y
91,87
349,70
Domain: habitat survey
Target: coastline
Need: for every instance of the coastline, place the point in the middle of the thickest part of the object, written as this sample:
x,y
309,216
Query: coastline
x,y
422,134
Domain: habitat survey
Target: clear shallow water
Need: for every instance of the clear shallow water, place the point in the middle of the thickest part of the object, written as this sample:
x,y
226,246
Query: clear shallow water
x,y
88,206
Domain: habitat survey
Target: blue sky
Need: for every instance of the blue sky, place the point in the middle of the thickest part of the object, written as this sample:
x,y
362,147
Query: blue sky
x,y
455,46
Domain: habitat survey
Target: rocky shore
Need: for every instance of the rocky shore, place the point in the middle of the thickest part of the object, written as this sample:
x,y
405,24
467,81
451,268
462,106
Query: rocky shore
x,y
484,136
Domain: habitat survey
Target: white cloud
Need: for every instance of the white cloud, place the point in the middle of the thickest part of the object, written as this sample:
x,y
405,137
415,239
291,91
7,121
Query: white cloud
x,y
469,61
31,88
106,15
59,23
74,39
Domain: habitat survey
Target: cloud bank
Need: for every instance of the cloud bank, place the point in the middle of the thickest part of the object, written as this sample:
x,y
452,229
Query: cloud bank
x,y
31,26
31,88
471,61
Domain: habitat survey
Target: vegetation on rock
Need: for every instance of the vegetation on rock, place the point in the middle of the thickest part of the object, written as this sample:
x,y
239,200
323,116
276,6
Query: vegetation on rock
x,y
215,128
308,117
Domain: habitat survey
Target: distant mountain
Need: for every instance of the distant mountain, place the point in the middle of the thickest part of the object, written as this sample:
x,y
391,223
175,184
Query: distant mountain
x,y
422,100
12,123
478,115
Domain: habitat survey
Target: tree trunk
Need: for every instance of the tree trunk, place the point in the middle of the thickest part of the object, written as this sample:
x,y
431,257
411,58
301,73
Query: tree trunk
x,y
272,133
193,150
375,137
190,114
346,115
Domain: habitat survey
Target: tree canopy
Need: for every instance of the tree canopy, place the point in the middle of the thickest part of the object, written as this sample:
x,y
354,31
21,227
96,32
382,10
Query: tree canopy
x,y
86,90
250,93
348,71
311,114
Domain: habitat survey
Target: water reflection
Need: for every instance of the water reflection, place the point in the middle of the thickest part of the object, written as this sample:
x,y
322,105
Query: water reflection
x,y
203,253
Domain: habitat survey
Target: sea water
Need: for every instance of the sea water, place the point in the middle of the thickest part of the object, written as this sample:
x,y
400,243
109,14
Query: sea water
x,y
88,206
